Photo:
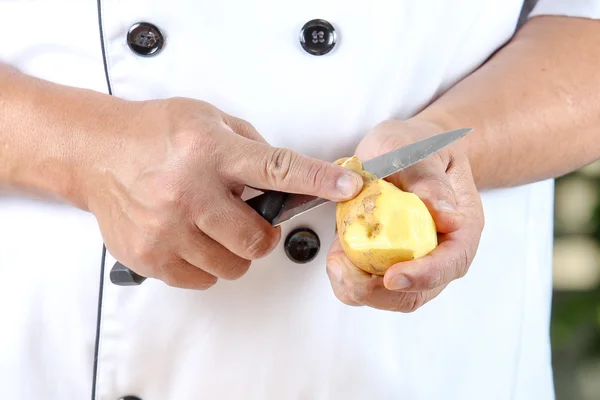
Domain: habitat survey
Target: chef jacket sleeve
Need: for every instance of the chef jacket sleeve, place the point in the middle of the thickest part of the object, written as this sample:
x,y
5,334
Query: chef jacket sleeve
x,y
569,8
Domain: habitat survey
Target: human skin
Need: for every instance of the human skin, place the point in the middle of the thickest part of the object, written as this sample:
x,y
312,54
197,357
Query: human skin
x,y
164,219
163,178
535,109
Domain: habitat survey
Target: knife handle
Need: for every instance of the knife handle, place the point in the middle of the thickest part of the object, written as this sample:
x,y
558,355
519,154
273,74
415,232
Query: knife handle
x,y
268,205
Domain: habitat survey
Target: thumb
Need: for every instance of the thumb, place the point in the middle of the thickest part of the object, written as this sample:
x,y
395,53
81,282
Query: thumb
x,y
429,181
266,167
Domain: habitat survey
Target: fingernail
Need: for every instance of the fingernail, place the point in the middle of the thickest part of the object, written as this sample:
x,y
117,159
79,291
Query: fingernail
x,y
444,206
399,282
347,184
336,270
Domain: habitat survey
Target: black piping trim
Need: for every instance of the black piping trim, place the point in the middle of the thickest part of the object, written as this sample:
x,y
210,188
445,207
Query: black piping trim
x,y
103,46
98,320
101,283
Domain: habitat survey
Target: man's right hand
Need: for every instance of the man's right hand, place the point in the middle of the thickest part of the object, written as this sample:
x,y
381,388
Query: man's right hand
x,y
166,191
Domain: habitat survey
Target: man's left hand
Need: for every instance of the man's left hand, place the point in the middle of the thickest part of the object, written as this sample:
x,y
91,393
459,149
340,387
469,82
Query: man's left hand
x,y
444,182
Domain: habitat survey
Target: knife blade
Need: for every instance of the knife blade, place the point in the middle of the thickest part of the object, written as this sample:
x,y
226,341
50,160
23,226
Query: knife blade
x,y
277,207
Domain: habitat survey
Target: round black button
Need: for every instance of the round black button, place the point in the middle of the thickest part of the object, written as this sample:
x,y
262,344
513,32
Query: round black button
x,y
130,398
302,245
145,39
318,37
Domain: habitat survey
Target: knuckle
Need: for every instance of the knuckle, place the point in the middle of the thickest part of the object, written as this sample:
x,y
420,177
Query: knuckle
x,y
359,293
457,161
144,252
444,158
438,183
198,142
459,167
347,300
386,125
174,278
207,283
176,102
387,130
207,132
234,270
432,186
409,302
205,144
245,128
430,278
174,108
317,175
157,229
183,138
445,188
389,142
258,244
278,165
171,279
165,271
202,211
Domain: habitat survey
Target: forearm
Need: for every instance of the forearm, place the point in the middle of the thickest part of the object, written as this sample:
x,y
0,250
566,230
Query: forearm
x,y
535,105
47,135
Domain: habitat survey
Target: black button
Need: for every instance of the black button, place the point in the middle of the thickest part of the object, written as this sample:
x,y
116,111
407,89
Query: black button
x,y
130,398
145,39
318,37
302,245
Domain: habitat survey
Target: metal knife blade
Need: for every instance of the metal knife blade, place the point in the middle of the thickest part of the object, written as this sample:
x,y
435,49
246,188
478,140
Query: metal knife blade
x,y
382,166
278,207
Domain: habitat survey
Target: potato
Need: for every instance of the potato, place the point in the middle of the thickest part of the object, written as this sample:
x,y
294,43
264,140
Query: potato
x,y
383,225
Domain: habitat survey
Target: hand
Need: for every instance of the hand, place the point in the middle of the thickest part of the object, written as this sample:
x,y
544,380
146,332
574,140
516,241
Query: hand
x,y
445,183
167,194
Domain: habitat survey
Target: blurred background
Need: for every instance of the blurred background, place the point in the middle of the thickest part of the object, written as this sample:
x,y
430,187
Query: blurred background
x,y
575,326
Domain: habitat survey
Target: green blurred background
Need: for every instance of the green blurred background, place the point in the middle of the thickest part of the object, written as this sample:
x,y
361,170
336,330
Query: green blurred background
x,y
575,326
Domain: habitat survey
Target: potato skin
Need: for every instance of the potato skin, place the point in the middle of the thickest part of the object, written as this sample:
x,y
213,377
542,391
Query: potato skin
x,y
383,225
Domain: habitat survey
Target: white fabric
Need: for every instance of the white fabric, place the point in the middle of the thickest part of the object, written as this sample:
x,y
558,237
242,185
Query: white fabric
x,y
278,333
571,8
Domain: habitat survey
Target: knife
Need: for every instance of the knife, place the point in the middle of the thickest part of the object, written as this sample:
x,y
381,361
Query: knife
x,y
278,207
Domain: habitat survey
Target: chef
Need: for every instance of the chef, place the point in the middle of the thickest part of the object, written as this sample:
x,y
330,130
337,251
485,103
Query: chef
x,y
133,132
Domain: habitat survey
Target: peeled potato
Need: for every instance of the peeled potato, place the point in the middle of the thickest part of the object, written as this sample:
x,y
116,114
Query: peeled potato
x,y
383,225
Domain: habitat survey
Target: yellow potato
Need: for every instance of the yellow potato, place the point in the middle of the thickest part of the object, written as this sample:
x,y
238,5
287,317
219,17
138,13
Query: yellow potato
x,y
383,225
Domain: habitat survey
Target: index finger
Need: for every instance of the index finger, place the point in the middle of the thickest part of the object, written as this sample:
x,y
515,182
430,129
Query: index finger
x,y
266,167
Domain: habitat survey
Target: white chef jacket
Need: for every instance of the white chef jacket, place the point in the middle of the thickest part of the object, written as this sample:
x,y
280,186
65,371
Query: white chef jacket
x,y
278,333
